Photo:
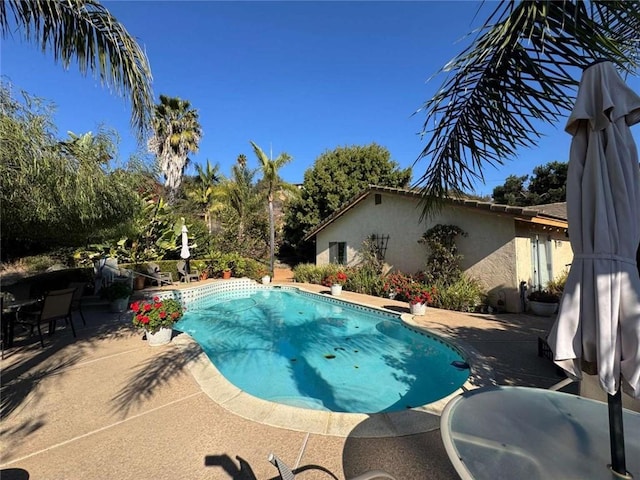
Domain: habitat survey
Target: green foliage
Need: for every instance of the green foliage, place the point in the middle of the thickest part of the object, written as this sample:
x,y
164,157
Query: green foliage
x,y
364,280
556,286
310,273
56,192
463,295
155,314
116,291
176,133
548,184
87,32
443,261
336,176
520,71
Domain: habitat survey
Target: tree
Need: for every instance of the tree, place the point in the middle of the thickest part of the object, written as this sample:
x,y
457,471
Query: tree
x,y
522,69
203,190
56,192
547,185
85,31
272,180
513,192
245,228
335,177
176,134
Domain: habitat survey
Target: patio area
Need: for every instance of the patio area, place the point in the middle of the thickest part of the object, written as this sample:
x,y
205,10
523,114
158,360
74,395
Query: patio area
x,y
106,405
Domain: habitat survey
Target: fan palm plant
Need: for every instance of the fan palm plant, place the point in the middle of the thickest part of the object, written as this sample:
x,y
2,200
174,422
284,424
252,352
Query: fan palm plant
x,y
272,181
203,191
177,133
85,31
521,69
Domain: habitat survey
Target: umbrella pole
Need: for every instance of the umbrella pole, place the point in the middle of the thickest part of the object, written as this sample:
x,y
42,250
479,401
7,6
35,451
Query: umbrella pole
x,y
616,435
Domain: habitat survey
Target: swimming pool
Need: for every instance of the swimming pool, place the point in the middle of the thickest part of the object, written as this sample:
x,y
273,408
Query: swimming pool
x,y
305,350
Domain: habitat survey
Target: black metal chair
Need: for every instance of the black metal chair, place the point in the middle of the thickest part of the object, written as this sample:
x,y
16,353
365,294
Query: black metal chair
x,y
55,306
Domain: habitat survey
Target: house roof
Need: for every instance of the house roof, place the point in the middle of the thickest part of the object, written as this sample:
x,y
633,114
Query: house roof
x,y
551,215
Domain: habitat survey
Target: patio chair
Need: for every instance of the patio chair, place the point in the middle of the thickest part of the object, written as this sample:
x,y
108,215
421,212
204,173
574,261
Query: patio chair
x,y
78,296
160,278
183,275
55,306
287,474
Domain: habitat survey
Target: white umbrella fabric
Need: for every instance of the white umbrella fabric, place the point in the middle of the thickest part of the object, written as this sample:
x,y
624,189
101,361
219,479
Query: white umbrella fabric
x,y
599,315
184,252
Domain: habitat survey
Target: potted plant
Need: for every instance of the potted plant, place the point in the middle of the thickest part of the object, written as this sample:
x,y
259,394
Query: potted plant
x,y
117,294
543,302
226,273
335,281
264,276
156,317
419,297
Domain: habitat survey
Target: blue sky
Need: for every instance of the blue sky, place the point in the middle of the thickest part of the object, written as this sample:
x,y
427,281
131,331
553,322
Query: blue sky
x,y
299,77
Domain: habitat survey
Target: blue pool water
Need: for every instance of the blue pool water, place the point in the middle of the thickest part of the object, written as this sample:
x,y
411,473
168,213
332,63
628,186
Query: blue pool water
x,y
309,351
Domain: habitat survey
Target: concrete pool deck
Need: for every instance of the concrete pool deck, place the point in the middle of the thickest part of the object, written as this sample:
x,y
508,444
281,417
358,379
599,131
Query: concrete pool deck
x,y
106,405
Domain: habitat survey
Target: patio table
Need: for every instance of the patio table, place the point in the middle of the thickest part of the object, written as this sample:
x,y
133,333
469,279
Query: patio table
x,y
521,432
10,311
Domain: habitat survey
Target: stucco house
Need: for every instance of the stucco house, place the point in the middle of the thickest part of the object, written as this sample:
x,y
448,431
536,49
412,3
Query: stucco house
x,y
504,245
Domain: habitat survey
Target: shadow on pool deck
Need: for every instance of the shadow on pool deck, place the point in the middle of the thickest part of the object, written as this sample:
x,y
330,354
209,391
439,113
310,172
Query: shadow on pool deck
x,y
106,405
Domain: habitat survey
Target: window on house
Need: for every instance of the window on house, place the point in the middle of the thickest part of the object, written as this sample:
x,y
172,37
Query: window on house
x,y
338,252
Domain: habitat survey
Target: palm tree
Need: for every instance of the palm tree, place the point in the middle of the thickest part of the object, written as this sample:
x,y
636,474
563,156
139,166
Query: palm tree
x,y
239,194
272,180
203,191
84,31
522,68
176,134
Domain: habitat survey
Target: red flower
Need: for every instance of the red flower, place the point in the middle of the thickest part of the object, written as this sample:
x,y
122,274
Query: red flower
x,y
135,306
147,307
156,299
145,320
163,314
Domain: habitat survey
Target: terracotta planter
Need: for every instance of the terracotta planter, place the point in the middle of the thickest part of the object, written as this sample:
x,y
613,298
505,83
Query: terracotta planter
x,y
161,337
336,290
418,308
204,275
138,282
226,274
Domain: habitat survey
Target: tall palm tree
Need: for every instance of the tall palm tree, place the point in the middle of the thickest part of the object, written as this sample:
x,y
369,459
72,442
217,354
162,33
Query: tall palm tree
x,y
522,68
84,31
272,181
176,134
203,192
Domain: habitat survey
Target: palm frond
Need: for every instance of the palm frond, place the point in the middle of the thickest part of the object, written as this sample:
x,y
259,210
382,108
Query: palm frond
x,y
84,31
522,69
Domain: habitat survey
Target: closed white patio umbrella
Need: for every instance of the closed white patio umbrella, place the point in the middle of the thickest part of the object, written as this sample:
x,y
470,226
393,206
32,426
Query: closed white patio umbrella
x,y
599,316
184,252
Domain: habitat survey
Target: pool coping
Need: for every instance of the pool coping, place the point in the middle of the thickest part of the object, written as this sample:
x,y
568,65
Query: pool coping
x,y
415,420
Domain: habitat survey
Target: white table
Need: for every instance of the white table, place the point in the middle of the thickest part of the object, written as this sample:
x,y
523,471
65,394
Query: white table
x,y
530,433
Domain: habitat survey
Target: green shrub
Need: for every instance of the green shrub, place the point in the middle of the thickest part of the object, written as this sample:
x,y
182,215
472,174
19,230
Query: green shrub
x,y
556,286
365,280
463,295
310,273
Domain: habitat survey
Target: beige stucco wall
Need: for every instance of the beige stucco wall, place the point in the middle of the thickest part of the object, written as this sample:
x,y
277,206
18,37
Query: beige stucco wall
x,y
489,249
561,252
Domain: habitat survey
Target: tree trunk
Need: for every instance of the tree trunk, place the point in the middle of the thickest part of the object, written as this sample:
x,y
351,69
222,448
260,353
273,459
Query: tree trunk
x,y
272,236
